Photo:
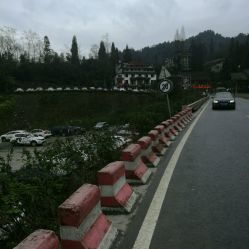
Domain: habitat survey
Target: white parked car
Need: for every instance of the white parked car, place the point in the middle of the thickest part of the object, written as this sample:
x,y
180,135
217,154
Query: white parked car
x,y
14,137
76,88
122,89
27,139
115,88
7,136
40,132
59,89
68,89
101,125
39,89
30,90
99,88
50,89
135,90
84,89
19,90
92,88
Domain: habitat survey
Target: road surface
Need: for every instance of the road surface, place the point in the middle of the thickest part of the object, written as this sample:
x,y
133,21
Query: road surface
x,y
206,205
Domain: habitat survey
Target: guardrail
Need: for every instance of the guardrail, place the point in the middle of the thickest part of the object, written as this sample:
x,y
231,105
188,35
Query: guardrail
x,y
196,105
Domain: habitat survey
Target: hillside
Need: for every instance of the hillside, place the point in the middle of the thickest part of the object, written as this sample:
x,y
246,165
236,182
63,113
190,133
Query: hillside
x,y
45,110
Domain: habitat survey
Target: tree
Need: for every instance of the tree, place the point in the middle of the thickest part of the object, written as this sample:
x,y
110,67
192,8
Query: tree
x,y
102,52
127,56
46,50
74,52
114,54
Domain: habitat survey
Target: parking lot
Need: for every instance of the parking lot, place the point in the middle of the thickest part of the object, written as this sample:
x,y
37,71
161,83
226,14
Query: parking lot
x,y
16,162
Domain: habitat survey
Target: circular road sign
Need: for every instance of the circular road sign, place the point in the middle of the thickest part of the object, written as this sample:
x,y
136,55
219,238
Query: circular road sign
x,y
166,86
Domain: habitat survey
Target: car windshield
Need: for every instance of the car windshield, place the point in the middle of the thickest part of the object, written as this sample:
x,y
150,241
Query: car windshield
x,y
223,95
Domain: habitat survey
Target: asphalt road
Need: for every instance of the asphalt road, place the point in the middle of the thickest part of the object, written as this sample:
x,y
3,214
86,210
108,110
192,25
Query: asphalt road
x,y
207,202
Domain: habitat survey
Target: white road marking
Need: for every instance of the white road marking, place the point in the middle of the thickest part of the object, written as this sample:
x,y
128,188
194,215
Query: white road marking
x,y
147,229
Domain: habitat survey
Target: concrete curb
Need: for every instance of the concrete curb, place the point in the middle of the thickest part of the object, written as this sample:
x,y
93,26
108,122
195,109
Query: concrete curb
x,y
82,223
40,239
116,194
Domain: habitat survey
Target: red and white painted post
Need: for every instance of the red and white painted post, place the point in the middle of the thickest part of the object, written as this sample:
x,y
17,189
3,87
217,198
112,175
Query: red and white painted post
x,y
161,133
180,121
148,155
40,239
157,146
172,128
135,170
82,223
116,194
177,126
167,131
184,120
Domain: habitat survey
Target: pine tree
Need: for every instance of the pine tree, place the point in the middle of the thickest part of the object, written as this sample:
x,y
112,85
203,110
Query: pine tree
x,y
127,56
47,50
74,52
114,54
102,52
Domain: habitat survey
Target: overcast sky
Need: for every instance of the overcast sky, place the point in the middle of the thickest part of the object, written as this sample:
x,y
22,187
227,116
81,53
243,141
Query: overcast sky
x,y
138,23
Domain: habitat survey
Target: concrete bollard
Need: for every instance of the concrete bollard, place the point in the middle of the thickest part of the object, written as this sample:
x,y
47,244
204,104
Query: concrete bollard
x,y
172,128
40,239
135,170
116,194
161,133
189,113
183,119
82,223
176,124
148,156
180,121
167,130
157,146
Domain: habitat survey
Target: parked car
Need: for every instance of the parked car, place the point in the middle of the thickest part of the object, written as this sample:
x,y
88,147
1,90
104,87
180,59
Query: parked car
x,y
101,125
7,136
27,139
19,90
40,132
223,100
14,137
67,130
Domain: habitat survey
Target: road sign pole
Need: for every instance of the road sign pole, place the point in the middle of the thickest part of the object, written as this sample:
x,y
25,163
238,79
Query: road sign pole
x,y
168,103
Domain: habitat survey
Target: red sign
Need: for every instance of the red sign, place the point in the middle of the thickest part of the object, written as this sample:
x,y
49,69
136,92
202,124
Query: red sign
x,y
201,86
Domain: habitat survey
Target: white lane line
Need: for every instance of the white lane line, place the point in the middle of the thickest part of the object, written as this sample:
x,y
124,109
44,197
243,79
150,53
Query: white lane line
x,y
147,229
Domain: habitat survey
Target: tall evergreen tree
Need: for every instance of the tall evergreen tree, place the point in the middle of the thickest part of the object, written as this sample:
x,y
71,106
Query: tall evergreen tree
x,y
102,52
127,56
47,50
74,52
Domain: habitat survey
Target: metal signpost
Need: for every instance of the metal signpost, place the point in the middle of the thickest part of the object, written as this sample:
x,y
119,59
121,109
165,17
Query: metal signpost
x,y
166,86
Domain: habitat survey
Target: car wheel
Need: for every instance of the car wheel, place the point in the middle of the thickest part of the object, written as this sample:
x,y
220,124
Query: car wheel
x,y
4,139
33,143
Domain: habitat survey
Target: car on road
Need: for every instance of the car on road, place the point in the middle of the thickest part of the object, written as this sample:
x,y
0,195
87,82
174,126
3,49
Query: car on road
x,y
40,132
27,139
223,100
7,136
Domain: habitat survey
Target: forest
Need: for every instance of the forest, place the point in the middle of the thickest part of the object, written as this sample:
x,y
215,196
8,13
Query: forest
x,y
27,60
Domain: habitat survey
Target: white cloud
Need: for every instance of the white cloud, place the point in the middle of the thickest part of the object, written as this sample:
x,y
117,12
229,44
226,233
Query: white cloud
x,y
137,23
